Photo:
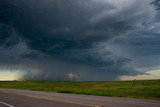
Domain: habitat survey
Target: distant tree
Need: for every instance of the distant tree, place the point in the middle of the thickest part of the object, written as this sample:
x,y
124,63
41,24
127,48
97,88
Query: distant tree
x,y
156,3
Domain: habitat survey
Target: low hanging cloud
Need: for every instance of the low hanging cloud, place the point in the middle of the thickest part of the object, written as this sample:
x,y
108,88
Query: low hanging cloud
x,y
83,40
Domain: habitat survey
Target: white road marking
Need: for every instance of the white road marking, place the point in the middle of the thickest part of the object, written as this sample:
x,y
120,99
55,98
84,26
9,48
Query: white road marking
x,y
64,101
8,105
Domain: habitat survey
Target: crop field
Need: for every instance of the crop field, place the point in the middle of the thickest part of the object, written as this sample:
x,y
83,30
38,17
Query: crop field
x,y
144,89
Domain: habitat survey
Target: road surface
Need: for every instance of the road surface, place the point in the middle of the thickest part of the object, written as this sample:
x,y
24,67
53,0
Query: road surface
x,y
25,98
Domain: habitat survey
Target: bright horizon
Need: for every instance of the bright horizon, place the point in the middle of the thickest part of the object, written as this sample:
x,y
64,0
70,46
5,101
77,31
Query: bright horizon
x,y
16,75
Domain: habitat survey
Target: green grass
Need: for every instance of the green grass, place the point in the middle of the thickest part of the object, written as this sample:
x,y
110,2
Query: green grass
x,y
148,89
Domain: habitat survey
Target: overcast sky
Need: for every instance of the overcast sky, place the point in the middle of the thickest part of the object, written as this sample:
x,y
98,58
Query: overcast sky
x,y
82,40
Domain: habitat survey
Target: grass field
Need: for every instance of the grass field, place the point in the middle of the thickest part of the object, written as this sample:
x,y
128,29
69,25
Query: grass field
x,y
149,89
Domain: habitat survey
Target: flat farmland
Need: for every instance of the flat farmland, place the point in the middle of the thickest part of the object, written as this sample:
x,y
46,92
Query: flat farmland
x,y
143,89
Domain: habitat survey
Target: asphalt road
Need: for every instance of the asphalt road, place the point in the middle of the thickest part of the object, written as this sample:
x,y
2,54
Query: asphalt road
x,y
21,98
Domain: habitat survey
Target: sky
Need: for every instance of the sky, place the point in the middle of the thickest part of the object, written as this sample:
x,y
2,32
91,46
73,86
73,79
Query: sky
x,y
79,40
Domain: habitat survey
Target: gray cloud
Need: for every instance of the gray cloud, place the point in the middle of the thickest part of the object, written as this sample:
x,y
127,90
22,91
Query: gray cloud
x,y
53,40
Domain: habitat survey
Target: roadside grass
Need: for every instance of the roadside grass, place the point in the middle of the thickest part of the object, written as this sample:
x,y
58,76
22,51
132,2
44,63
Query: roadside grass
x,y
144,89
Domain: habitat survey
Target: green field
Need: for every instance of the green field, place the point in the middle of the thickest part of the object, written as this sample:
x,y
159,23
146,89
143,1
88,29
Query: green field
x,y
149,89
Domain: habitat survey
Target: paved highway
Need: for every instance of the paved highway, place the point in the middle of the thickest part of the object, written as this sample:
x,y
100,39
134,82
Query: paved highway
x,y
22,98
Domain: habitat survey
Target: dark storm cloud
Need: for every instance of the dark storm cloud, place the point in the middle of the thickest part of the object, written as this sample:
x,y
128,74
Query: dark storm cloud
x,y
142,46
51,39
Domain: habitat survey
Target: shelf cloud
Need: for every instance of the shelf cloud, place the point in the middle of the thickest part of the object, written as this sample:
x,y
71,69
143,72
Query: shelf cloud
x,y
80,40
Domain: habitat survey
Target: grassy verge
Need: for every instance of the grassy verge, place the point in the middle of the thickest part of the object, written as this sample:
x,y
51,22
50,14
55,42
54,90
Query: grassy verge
x,y
149,89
